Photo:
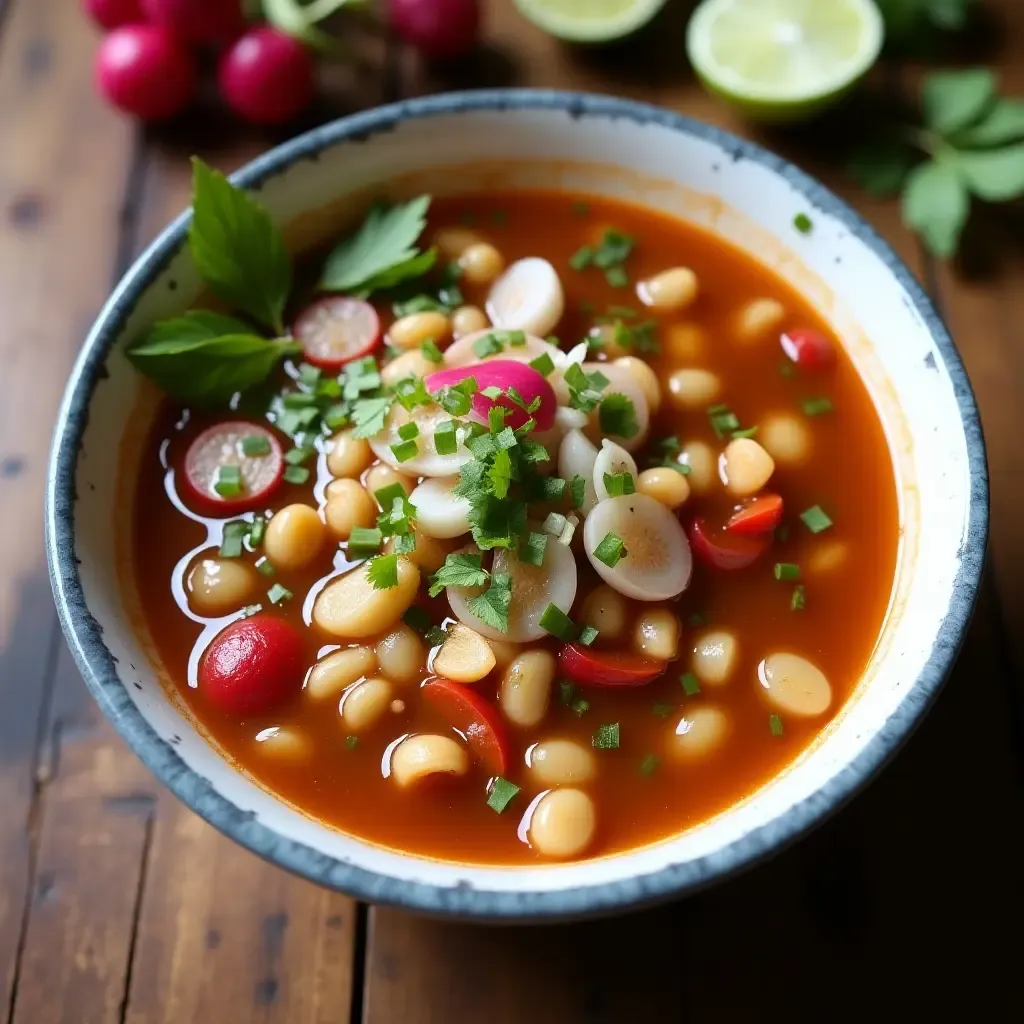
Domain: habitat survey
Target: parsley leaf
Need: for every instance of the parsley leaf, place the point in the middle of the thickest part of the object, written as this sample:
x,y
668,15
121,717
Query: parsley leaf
x,y
459,570
383,571
369,415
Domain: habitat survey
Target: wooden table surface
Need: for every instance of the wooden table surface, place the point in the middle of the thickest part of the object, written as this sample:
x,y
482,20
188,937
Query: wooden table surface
x,y
119,904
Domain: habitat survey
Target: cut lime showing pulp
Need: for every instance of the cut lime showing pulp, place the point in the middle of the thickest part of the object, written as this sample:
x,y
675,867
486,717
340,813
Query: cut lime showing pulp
x,y
589,21
783,60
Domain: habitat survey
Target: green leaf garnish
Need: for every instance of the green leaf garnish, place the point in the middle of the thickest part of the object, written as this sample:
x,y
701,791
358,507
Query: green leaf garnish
x,y
459,570
815,519
501,794
611,550
492,605
607,737
617,416
383,571
364,541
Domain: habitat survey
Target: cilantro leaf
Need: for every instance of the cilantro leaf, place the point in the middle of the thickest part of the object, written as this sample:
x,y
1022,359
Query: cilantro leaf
x,y
500,473
383,571
237,248
492,605
369,415
459,570
386,241
617,416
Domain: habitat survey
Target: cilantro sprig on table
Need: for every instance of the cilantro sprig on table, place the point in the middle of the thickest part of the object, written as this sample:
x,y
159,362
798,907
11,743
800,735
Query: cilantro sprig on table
x,y
972,144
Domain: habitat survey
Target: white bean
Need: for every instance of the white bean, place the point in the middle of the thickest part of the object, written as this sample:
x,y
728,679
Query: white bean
x,y
294,537
413,330
700,459
828,556
402,655
664,484
758,319
481,263
365,704
745,467
348,456
338,671
693,389
699,732
607,611
352,608
656,634
468,320
526,688
561,763
786,439
217,586
285,743
380,476
685,343
794,685
563,823
714,657
671,290
409,364
465,656
424,754
348,506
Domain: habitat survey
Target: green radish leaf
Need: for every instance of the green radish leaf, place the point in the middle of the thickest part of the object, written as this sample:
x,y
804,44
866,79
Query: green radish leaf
x,y
935,205
1004,122
955,99
237,248
881,166
996,174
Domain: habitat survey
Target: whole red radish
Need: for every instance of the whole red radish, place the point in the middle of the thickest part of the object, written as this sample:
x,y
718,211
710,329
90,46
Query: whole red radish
x,y
525,381
439,29
198,21
267,76
144,70
252,666
110,14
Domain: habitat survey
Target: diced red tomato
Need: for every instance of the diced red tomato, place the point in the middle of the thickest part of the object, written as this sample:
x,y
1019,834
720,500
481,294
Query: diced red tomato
x,y
760,514
475,718
253,666
809,349
224,446
724,549
336,330
607,668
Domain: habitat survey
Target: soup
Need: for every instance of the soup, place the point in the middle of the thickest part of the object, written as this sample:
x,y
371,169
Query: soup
x,y
552,530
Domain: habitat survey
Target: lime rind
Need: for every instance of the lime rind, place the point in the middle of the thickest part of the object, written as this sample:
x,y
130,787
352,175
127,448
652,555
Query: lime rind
x,y
738,49
589,21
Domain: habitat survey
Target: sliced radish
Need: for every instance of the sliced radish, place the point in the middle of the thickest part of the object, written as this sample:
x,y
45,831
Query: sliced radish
x,y
607,668
252,666
656,564
577,457
567,419
427,461
722,549
533,589
336,330
462,352
503,374
218,454
464,709
758,515
809,349
439,513
611,459
527,297
622,382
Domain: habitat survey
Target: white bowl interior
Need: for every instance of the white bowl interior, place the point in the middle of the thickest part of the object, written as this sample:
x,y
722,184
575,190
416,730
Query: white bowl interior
x,y
749,202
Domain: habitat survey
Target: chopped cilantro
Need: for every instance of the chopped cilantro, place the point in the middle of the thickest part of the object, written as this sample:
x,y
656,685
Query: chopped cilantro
x,y
383,571
459,570
798,602
689,683
617,416
431,352
491,607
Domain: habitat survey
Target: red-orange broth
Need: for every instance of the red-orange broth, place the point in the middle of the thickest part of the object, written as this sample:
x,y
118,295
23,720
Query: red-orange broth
x,y
640,792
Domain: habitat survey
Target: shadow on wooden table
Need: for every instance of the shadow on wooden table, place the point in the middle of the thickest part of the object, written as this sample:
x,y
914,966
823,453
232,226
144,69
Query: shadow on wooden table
x,y
905,901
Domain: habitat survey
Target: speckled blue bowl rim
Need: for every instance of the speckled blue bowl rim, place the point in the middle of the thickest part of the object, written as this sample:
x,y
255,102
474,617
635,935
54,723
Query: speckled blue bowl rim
x,y
464,899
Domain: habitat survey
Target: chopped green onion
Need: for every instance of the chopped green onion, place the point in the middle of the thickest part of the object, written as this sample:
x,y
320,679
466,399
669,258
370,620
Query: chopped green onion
x,y
554,524
531,548
364,541
723,420
351,742
662,709
296,474
297,456
566,692
617,277
698,619
617,484
614,250
431,352
782,533
787,571
445,440
543,364
577,491
815,519
745,432
689,683
265,566
607,737
517,339
501,794
557,623
276,594
234,533
336,417
610,550
649,765
386,495
487,345
492,392
582,258
622,312
407,431
250,610
798,602
228,483
803,223
256,531
816,406
580,707
552,488
775,724
255,444
587,635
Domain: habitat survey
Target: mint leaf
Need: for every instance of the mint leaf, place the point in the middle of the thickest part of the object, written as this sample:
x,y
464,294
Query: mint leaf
x,y
936,204
237,248
881,166
1004,122
386,241
206,358
491,606
996,174
459,570
954,99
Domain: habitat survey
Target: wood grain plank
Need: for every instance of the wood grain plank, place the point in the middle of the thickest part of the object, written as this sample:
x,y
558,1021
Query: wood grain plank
x,y
63,166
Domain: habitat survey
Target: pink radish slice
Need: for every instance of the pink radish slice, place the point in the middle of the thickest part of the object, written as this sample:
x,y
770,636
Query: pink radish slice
x,y
503,374
224,445
336,330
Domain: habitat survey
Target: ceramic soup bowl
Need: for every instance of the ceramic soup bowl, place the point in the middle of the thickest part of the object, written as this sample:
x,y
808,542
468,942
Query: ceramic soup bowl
x,y
582,143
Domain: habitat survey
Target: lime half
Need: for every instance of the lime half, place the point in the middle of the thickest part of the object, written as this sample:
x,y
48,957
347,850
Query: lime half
x,y
589,21
783,60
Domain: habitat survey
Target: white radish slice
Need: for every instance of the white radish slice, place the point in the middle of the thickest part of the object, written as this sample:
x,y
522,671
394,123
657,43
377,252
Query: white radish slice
x,y
657,563
533,589
462,353
567,419
439,513
527,297
611,459
621,382
577,457
428,462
